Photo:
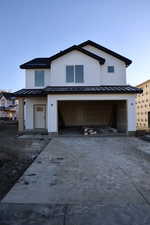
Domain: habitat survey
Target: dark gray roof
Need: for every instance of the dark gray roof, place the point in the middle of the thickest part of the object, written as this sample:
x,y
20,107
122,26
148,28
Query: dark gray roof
x,y
110,52
92,89
30,92
36,63
45,62
124,89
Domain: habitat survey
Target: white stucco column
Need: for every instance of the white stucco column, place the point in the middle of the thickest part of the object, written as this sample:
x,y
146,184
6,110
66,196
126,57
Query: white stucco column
x,y
21,114
131,114
52,115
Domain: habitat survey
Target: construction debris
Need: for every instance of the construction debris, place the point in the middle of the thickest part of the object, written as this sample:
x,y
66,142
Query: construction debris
x,y
89,131
107,130
96,130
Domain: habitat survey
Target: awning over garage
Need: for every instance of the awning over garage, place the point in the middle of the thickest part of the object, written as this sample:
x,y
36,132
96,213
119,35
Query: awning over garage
x,y
93,89
125,89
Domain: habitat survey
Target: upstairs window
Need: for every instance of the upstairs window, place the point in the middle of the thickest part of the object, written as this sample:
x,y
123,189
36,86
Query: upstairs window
x,y
79,73
74,74
69,74
39,78
110,69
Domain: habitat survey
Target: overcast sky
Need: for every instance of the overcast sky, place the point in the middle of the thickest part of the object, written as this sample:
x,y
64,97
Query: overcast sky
x,y
40,28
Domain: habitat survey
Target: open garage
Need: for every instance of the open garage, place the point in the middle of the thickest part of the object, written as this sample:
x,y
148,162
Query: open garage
x,y
103,116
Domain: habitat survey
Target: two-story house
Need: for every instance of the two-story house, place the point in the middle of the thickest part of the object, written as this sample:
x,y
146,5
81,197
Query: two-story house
x,y
84,85
8,106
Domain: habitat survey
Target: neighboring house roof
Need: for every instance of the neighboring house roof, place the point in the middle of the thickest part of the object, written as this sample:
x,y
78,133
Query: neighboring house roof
x,y
110,52
123,89
7,95
45,62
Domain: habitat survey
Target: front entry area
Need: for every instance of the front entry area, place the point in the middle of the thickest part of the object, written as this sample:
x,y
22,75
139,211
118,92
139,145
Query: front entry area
x,y
56,111
39,116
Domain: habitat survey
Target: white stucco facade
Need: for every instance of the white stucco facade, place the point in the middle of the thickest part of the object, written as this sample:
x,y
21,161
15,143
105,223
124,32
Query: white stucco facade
x,y
52,101
30,81
95,74
92,69
119,75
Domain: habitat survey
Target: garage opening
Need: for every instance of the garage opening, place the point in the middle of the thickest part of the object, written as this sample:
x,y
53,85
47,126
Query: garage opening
x,y
92,117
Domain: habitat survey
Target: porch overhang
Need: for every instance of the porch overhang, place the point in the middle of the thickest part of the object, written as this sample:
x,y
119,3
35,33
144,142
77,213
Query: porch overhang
x,y
30,93
113,89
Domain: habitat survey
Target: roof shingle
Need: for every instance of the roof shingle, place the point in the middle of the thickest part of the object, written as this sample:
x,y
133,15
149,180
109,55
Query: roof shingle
x,y
124,89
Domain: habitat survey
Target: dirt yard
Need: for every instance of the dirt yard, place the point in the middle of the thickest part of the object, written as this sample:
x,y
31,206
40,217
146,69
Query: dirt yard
x,y
16,154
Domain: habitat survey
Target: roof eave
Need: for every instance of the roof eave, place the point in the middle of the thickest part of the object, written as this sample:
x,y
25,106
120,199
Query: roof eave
x,y
55,92
122,58
92,92
31,65
34,67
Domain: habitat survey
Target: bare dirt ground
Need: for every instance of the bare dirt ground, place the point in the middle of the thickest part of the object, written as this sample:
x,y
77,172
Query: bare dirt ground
x,y
16,154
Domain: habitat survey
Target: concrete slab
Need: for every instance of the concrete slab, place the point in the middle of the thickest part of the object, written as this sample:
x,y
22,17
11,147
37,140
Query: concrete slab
x,y
126,214
31,214
95,214
80,170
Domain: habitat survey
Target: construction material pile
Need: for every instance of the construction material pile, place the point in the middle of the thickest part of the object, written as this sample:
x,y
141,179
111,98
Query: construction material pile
x,y
107,130
89,131
97,130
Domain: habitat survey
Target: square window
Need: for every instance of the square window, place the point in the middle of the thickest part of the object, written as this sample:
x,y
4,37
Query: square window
x,y
110,69
74,73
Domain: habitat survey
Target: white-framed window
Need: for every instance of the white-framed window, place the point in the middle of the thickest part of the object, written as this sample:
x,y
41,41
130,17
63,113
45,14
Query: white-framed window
x,y
39,78
110,69
74,73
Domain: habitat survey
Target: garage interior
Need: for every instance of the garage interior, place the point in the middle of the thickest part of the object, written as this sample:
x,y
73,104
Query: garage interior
x,y
92,117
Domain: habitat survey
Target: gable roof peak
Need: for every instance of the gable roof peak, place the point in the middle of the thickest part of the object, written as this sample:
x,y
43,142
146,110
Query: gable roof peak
x,y
45,62
108,51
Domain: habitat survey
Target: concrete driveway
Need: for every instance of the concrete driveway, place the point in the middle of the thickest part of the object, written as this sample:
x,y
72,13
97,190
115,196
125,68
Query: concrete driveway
x,y
90,176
